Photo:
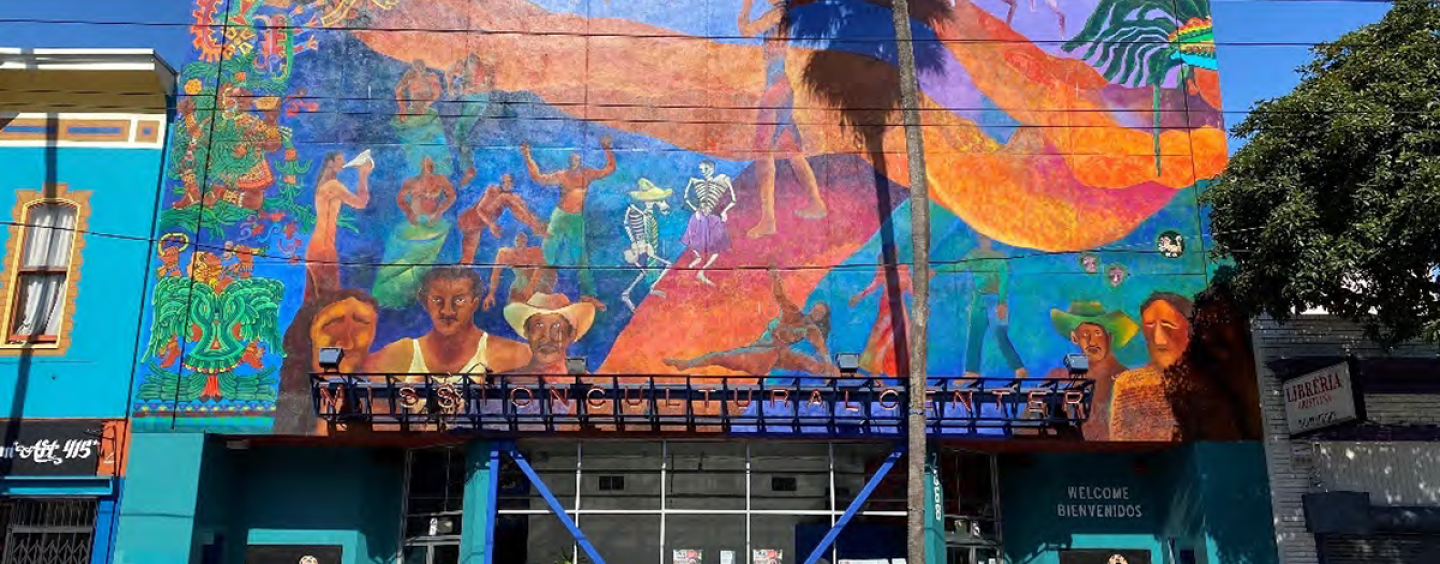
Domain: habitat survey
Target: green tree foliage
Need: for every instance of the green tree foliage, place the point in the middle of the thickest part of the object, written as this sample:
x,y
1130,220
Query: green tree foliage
x,y
1335,200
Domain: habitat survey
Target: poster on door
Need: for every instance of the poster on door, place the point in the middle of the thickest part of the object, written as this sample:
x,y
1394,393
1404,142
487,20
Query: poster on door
x,y
767,556
1105,556
687,556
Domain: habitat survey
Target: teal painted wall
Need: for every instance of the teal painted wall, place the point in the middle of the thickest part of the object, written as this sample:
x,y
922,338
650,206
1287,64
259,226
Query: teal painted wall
x,y
185,492
1212,498
158,508
482,466
92,378
344,496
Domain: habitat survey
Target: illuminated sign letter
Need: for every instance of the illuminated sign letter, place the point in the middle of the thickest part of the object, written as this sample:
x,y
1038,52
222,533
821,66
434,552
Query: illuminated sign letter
x,y
332,403
1035,403
593,401
894,403
779,396
515,399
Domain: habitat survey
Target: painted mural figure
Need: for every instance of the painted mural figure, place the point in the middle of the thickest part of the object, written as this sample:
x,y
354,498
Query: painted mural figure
x,y
1140,410
454,344
485,215
643,230
879,356
990,295
793,341
346,319
706,236
565,244
417,123
775,130
1098,334
1054,6
322,259
550,323
417,242
527,262
472,81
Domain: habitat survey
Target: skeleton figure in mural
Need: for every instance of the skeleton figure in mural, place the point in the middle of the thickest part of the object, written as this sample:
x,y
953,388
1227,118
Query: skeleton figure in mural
x,y
322,259
1140,409
705,236
527,262
775,133
989,296
1098,334
565,241
454,345
485,215
417,242
793,341
643,229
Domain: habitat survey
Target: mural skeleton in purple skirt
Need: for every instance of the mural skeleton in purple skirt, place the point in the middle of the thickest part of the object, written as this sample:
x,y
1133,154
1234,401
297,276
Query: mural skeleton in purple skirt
x,y
705,236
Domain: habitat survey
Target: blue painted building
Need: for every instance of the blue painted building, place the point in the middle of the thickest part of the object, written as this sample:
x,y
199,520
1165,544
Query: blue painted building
x,y
81,140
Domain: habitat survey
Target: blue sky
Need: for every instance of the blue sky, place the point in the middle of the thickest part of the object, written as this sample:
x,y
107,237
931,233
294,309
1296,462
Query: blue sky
x,y
1252,66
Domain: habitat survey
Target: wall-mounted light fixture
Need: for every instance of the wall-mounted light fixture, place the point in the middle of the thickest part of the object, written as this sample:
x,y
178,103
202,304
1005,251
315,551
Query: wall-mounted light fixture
x,y
1077,364
849,363
329,358
576,365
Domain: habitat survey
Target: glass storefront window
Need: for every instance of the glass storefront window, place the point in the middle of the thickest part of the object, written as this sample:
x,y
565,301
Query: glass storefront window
x,y
712,502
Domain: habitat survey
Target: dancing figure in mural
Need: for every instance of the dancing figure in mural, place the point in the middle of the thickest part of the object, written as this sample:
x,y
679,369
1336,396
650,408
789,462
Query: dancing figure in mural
x,y
417,242
417,123
1139,409
565,244
793,341
1054,6
705,236
454,344
472,81
322,259
879,356
775,132
485,215
989,299
643,230
550,323
1098,334
527,262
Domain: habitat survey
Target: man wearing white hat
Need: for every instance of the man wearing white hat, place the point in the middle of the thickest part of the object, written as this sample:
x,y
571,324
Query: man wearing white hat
x,y
550,323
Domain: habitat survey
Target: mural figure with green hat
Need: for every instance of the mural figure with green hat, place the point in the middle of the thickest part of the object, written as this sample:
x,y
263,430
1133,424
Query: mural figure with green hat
x,y
643,229
565,243
1098,334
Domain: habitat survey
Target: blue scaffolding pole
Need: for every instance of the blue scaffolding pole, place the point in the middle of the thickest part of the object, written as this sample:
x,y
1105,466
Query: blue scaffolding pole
x,y
555,506
856,504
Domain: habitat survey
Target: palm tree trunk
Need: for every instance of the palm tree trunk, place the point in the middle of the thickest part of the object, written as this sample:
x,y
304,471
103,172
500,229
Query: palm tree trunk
x,y
920,276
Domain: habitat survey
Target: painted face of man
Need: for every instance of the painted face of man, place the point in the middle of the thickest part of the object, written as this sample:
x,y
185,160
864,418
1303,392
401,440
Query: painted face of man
x,y
574,160
1093,340
1167,333
451,303
1116,276
1091,264
348,324
550,336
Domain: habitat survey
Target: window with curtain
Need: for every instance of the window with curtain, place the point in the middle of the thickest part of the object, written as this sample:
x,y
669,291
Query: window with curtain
x,y
37,303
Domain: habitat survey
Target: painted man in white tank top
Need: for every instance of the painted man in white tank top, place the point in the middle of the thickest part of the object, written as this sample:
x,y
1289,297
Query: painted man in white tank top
x,y
454,345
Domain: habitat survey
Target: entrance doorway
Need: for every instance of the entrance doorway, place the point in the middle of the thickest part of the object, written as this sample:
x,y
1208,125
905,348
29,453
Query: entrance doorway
x,y
434,505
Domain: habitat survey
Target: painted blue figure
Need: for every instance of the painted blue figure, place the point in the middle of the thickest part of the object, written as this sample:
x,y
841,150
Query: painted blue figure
x,y
988,309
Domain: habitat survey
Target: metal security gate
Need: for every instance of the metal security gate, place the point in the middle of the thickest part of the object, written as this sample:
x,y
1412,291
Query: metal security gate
x,y
1380,549
47,530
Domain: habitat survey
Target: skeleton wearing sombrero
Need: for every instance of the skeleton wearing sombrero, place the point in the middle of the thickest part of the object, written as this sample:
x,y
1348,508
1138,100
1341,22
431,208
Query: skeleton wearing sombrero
x,y
643,229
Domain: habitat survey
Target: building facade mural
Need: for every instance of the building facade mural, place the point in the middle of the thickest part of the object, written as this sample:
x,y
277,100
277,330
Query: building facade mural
x,y
710,189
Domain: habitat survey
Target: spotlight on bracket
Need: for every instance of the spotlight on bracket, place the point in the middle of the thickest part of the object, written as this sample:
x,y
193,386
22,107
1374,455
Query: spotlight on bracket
x,y
329,358
849,363
576,365
1077,364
